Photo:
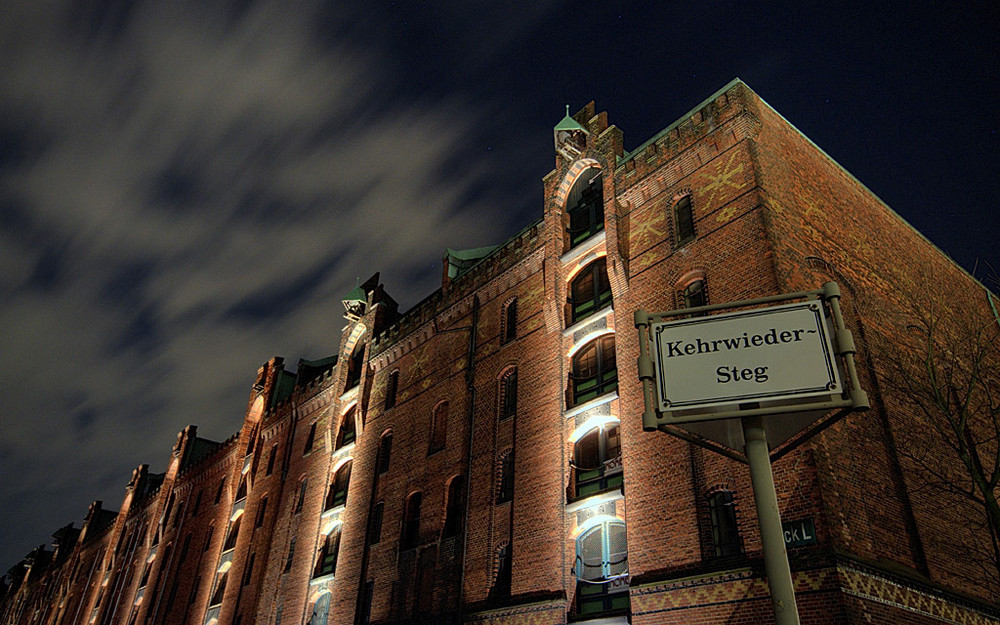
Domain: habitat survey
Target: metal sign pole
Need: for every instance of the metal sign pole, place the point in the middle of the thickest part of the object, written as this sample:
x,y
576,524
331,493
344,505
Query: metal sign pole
x,y
776,361
779,575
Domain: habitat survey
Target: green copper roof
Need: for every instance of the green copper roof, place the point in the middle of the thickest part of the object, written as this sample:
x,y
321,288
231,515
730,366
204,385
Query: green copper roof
x,y
357,294
460,261
568,123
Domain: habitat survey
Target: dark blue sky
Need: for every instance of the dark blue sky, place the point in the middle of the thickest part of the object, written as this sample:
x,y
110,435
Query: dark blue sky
x,y
186,191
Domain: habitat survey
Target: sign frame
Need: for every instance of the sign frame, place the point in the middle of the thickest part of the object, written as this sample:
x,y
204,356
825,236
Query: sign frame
x,y
848,397
826,384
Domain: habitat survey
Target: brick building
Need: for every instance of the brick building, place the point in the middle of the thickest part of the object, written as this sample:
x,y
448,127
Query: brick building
x,y
480,457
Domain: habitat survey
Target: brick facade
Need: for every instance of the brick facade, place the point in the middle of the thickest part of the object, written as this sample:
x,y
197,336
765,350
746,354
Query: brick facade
x,y
461,462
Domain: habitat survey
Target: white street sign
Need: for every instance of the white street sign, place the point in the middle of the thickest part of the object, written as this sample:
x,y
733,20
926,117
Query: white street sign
x,y
768,354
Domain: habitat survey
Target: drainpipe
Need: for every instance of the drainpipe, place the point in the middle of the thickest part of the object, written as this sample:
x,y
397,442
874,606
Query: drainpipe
x,y
470,387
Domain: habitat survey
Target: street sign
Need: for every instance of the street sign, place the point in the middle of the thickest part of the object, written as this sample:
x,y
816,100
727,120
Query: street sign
x,y
766,354
792,363
713,380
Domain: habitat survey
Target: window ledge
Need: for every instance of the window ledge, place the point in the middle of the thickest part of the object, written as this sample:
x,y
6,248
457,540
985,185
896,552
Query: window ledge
x,y
322,579
584,247
345,450
333,511
350,393
612,494
591,318
593,403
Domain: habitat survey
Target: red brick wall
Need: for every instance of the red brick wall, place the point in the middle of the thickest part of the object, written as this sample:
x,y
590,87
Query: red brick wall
x,y
772,214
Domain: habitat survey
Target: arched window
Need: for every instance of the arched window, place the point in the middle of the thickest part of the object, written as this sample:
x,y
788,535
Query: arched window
x,y
384,452
683,220
602,552
234,532
597,463
590,290
725,531
439,428
338,489
455,511
410,534
261,511
508,331
145,575
694,294
326,562
504,570
508,393
595,371
585,206
252,441
355,366
220,589
391,385
505,483
241,492
348,428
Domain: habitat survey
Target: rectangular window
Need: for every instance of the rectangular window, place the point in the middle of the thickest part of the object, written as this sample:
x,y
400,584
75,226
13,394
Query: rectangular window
x,y
197,503
222,488
439,428
364,612
173,594
184,549
426,564
302,496
194,589
509,331
260,512
375,524
291,554
270,459
384,453
248,572
310,439
411,522
390,389
725,530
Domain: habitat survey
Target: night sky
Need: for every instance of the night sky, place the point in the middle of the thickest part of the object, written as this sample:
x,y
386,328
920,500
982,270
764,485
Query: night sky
x,y
188,188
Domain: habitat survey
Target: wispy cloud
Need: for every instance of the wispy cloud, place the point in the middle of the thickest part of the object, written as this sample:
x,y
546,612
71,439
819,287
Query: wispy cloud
x,y
187,191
